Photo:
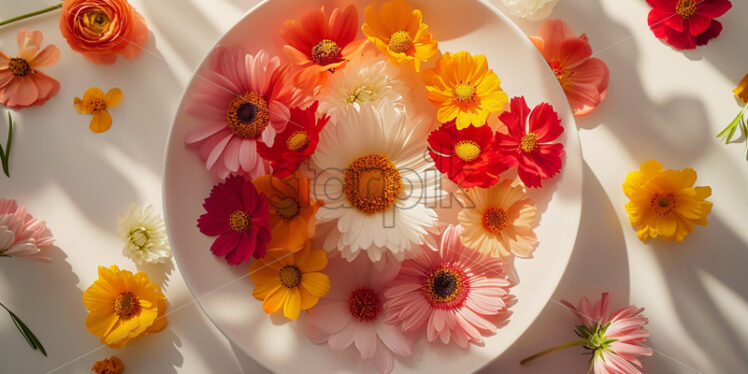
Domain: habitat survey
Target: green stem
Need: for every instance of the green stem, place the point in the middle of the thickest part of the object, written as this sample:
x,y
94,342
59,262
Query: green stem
x,y
28,15
554,350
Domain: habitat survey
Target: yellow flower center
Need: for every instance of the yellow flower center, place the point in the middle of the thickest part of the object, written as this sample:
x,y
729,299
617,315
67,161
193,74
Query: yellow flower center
x,y
239,221
686,8
361,94
248,115
563,75
94,104
126,305
467,150
495,220
445,288
18,66
364,304
529,142
290,276
139,237
288,208
663,204
325,52
465,93
372,183
96,22
400,41
298,141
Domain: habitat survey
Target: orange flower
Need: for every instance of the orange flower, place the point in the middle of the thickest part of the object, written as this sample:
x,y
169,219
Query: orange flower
x,y
102,29
320,44
96,102
21,83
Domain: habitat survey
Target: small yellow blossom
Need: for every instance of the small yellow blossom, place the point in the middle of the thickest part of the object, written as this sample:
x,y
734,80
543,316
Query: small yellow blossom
x,y
95,102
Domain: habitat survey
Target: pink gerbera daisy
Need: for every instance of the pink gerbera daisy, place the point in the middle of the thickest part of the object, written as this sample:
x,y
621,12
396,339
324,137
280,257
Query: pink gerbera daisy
x,y
353,313
615,340
458,293
22,235
239,216
243,99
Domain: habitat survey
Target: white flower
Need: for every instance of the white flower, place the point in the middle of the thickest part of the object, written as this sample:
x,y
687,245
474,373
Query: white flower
x,y
378,186
144,235
534,10
368,78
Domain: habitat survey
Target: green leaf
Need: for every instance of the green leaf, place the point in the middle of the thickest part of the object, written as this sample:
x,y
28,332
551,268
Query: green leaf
x,y
5,154
729,131
25,332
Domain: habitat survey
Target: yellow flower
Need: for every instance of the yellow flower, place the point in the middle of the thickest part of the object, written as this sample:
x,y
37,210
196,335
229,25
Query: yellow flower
x,y
400,33
111,365
465,89
122,306
741,91
290,280
664,202
96,102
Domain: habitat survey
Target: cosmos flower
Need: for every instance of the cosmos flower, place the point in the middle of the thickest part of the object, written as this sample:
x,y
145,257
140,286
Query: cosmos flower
x,y
22,84
96,103
686,24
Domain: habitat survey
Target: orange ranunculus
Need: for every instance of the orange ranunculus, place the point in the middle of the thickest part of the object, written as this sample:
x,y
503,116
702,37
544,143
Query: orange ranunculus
x,y
102,29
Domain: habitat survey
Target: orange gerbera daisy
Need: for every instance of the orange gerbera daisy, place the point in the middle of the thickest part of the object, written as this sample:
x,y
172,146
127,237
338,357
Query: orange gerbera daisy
x,y
321,44
464,89
400,33
292,210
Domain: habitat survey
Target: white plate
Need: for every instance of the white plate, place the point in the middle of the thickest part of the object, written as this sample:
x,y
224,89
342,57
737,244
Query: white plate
x,y
225,294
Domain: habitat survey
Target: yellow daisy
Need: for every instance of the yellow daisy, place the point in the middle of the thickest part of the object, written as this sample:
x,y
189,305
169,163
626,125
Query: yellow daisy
x,y
122,306
664,202
96,103
292,281
400,33
464,89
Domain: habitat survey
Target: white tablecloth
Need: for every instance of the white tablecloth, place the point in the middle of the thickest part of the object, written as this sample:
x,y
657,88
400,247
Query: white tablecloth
x,y
662,104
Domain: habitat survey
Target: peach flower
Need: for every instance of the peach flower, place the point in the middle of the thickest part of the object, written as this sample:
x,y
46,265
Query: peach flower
x,y
21,83
102,29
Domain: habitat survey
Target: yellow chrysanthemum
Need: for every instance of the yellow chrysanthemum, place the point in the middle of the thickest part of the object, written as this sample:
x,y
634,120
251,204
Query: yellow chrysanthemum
x,y
400,33
664,202
741,91
464,89
292,281
96,102
123,305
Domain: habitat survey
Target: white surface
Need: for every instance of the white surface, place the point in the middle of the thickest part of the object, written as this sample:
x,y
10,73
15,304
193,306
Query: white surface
x,y
662,104
271,341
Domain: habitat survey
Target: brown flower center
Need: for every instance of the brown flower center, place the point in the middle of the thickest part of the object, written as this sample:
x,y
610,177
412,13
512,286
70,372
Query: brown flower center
x,y
467,150
325,52
18,66
445,287
288,208
465,93
663,204
94,104
298,141
495,220
372,183
686,8
529,142
248,115
239,221
96,22
126,305
364,304
400,41
290,276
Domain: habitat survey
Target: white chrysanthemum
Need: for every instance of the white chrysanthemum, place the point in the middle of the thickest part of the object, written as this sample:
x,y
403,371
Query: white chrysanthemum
x,y
378,184
144,235
534,10
368,78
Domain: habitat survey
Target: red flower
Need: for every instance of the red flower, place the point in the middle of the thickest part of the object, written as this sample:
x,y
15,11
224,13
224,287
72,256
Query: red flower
x,y
685,24
239,216
296,143
528,143
466,156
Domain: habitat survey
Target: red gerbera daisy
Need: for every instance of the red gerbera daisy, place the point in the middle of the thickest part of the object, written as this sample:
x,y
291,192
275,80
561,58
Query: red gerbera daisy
x,y
239,216
528,143
296,143
466,156
685,24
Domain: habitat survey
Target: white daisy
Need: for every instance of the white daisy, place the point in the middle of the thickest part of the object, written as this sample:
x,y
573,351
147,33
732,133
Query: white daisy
x,y
379,188
144,235
368,78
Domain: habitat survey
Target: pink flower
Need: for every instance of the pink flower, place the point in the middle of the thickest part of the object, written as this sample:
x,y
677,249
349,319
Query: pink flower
x,y
22,84
458,293
239,216
22,235
616,340
353,312
243,99
583,78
